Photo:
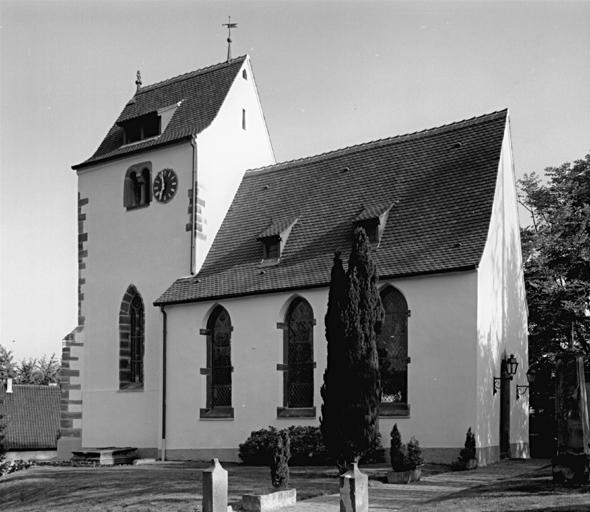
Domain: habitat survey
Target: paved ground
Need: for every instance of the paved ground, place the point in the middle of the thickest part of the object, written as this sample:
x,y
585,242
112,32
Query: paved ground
x,y
430,490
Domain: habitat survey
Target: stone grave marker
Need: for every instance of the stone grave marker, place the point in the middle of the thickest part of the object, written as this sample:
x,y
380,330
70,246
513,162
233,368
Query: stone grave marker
x,y
354,490
215,488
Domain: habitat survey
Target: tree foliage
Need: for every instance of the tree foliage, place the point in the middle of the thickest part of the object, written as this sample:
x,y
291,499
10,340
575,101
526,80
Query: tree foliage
x,y
333,399
556,253
43,371
8,366
352,388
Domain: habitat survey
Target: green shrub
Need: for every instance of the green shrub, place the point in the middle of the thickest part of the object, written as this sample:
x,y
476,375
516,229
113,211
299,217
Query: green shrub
x,y
468,452
404,457
307,448
256,450
279,467
397,450
414,455
11,466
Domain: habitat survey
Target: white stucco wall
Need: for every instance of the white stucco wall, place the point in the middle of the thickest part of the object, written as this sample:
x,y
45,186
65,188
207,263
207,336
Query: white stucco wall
x,y
226,150
502,314
441,388
148,247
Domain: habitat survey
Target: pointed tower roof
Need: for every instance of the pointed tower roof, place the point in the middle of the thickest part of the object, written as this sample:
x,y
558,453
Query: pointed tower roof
x,y
199,96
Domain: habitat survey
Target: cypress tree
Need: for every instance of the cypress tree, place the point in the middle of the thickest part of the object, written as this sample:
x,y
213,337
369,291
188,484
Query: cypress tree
x,y
352,388
332,419
279,467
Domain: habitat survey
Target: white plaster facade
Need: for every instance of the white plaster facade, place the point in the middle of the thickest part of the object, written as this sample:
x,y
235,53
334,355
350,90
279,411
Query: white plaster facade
x,y
461,325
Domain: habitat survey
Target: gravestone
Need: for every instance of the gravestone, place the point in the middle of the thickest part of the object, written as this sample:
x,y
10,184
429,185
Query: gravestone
x,y
215,488
354,490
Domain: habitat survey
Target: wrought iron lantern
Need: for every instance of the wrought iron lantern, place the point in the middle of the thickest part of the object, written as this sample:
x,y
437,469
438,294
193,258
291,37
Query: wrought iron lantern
x,y
509,370
530,376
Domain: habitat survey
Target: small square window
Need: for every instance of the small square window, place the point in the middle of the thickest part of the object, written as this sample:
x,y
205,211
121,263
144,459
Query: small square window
x,y
272,249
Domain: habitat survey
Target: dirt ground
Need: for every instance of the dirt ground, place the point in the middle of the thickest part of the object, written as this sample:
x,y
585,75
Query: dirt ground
x,y
175,487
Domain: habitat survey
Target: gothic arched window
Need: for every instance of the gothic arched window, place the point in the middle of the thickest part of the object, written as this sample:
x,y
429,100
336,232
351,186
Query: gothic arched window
x,y
392,346
219,387
298,344
131,340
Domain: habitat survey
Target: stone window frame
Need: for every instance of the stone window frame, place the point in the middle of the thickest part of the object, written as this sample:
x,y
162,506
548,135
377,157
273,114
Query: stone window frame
x,y
212,411
287,410
131,376
401,408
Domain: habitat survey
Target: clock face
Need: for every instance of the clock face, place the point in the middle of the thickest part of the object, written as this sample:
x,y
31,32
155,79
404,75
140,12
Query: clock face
x,y
165,185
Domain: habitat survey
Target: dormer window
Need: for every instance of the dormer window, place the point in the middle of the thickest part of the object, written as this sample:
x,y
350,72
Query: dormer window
x,y
373,219
372,229
271,248
274,238
137,189
140,128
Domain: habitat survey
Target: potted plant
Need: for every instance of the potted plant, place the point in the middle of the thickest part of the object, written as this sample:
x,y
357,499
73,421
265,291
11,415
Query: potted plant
x,y
406,460
468,456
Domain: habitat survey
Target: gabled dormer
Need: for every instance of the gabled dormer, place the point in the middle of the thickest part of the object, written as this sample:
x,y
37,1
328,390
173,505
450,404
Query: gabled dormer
x,y
373,218
274,239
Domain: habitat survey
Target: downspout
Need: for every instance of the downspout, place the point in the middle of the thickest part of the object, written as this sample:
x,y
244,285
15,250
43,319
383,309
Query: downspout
x,y
164,335
194,207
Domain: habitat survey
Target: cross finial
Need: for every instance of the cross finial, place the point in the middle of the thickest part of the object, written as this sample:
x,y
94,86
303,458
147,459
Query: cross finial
x,y
229,26
138,79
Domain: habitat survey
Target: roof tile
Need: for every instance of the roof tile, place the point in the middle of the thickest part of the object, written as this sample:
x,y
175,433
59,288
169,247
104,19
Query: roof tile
x,y
441,184
32,416
202,93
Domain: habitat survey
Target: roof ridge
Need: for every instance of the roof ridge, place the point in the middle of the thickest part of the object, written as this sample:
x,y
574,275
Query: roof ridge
x,y
190,74
371,144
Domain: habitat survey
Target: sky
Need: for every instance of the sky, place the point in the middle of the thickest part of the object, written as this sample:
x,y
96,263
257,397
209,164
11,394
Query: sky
x,y
329,74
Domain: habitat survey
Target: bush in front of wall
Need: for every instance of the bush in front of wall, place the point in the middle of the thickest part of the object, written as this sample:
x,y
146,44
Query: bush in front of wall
x,y
257,449
406,460
307,448
468,455
404,457
279,467
414,454
397,451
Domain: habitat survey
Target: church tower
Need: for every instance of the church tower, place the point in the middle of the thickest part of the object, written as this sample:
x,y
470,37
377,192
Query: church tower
x,y
150,202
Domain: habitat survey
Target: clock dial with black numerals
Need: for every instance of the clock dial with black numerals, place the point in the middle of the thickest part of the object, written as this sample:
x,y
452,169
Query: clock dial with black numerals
x,y
165,185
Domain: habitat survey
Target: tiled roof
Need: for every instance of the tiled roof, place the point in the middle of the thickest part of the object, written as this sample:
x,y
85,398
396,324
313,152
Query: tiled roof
x,y
440,181
202,93
32,415
277,226
373,211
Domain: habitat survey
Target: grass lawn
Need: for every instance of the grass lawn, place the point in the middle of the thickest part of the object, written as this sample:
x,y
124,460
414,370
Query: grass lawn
x,y
166,487
531,492
175,487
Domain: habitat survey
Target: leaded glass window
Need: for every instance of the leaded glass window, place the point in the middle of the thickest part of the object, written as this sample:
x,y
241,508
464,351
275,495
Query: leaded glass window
x,y
392,346
299,359
136,339
131,340
219,354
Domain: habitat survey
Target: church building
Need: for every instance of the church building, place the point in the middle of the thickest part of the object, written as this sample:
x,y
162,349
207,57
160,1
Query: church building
x,y
204,270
